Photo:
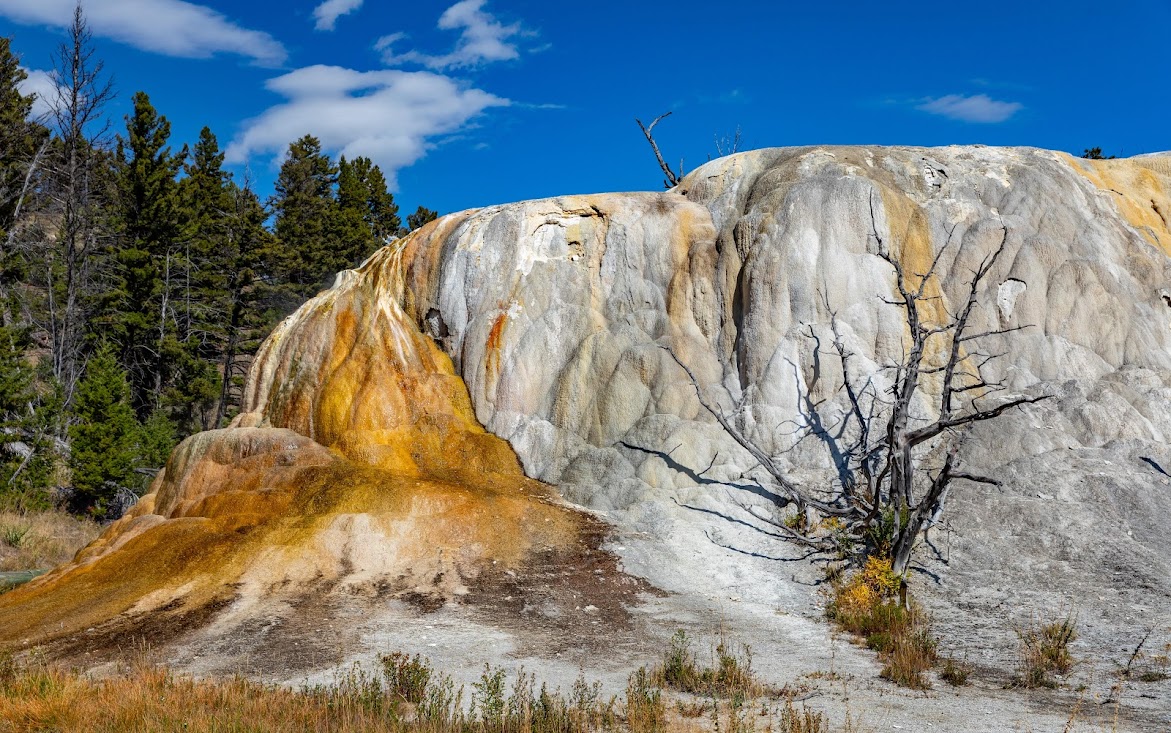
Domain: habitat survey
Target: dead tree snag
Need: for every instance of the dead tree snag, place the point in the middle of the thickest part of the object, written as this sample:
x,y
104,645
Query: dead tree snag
x,y
901,464
671,178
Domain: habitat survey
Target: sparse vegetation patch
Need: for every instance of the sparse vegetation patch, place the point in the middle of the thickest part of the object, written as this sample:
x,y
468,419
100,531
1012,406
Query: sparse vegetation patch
x,y
868,603
730,675
403,694
41,540
1044,651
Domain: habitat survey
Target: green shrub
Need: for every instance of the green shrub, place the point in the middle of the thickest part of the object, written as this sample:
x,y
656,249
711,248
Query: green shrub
x,y
406,677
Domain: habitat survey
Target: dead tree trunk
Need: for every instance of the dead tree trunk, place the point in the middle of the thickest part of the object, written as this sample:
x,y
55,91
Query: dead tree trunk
x,y
891,444
672,179
80,93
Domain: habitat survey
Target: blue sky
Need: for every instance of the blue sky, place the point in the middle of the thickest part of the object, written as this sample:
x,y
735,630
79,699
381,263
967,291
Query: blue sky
x,y
487,101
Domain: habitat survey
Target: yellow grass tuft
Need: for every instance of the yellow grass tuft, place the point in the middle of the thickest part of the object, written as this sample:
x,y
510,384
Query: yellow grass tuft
x,y
867,603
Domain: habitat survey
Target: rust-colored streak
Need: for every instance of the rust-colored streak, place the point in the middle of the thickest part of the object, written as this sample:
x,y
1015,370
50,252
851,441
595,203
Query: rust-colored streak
x,y
492,347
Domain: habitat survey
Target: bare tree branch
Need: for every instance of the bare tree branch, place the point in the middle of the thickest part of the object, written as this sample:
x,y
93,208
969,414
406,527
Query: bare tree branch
x,y
886,450
672,179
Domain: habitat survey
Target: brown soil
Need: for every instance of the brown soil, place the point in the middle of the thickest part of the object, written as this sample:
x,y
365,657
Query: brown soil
x,y
561,598
573,596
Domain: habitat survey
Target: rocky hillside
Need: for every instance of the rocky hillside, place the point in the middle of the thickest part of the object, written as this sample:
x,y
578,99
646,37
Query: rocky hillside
x,y
359,478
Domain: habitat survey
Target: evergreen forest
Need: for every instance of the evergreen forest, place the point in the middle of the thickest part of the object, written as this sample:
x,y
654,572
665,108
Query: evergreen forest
x,y
138,277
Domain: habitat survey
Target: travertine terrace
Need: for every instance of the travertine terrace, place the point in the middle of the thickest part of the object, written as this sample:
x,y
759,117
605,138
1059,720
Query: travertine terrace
x,y
431,421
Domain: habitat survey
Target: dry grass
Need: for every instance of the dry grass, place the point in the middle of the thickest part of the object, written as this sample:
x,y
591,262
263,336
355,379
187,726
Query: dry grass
x,y
42,540
729,676
646,712
866,604
955,672
910,656
1044,651
404,695
150,699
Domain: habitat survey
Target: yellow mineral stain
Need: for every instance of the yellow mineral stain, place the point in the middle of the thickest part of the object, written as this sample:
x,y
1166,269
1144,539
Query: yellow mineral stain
x,y
355,413
911,244
1140,188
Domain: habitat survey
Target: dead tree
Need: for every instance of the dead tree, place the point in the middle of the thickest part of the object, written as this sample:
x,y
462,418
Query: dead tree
x,y
80,92
900,464
672,179
728,145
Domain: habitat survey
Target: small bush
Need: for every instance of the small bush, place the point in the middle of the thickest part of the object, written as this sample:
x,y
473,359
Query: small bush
x,y
645,709
13,534
488,697
911,654
955,673
1044,650
679,669
406,677
730,677
803,721
362,690
442,704
867,603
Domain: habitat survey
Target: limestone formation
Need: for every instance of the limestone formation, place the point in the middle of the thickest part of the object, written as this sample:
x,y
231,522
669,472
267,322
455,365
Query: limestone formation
x,y
548,322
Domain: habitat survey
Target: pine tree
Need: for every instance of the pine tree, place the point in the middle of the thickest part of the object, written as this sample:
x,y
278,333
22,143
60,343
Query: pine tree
x,y
419,218
156,441
351,235
361,186
105,437
209,265
141,305
27,417
1096,154
365,215
305,208
252,308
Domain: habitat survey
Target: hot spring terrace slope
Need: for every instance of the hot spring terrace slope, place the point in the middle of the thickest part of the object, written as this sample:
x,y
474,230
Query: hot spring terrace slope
x,y
360,462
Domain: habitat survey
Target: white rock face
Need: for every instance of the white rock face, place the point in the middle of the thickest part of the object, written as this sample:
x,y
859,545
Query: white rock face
x,y
558,314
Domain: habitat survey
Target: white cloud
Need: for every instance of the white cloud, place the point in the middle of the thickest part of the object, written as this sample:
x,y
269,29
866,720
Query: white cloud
x,y
40,83
976,108
329,11
390,116
170,27
482,38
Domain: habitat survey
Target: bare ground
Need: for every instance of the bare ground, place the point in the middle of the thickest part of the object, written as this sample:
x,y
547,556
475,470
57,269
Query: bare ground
x,y
591,611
